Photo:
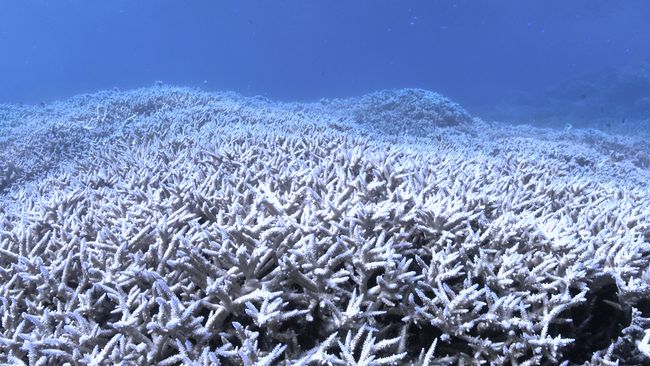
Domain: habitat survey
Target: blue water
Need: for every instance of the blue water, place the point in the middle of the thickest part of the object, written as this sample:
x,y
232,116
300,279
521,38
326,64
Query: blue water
x,y
479,53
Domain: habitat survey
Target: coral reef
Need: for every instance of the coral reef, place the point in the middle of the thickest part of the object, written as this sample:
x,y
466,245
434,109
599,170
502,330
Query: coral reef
x,y
403,111
169,226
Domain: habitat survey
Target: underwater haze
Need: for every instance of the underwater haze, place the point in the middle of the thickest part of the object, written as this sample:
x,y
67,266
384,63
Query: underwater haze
x,y
477,53
325,183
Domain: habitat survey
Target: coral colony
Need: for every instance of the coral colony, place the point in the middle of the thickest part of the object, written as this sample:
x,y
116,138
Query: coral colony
x,y
169,226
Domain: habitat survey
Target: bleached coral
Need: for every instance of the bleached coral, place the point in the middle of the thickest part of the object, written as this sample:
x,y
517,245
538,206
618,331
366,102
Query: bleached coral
x,y
404,111
200,229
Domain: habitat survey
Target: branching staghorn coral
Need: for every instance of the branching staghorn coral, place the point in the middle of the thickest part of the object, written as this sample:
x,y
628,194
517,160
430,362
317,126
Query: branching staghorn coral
x,y
202,229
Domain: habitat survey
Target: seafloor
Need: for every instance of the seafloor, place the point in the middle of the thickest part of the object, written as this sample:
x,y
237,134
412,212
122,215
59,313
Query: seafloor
x,y
171,226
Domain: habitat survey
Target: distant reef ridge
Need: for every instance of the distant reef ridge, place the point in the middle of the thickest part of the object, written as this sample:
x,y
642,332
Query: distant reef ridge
x,y
172,226
612,100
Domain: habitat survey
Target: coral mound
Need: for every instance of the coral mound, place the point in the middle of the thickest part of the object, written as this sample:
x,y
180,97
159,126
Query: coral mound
x,y
409,111
183,227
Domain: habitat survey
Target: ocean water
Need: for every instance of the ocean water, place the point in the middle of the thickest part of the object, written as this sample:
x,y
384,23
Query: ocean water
x,y
325,183
506,52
